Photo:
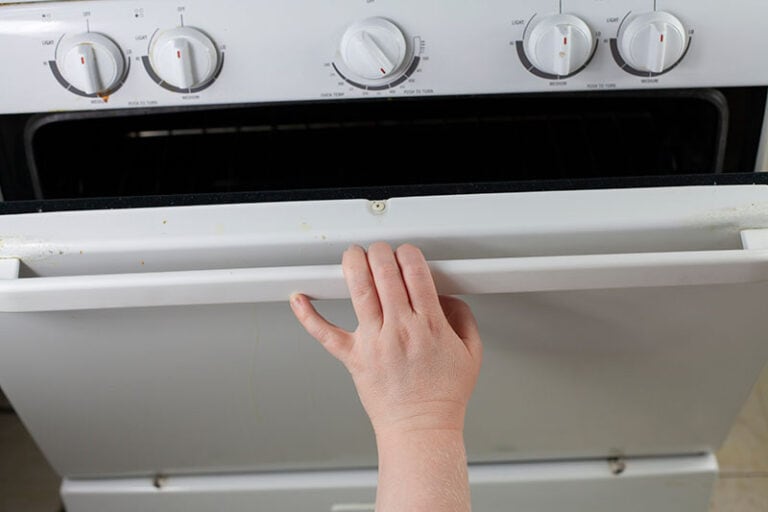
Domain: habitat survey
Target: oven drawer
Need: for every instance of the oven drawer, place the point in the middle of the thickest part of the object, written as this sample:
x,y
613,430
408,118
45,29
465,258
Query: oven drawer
x,y
677,484
160,341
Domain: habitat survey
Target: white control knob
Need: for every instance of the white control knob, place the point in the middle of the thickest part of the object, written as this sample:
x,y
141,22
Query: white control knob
x,y
184,57
653,42
559,44
91,62
374,49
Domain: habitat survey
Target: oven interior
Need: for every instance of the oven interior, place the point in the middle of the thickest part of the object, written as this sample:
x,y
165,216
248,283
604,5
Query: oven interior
x,y
383,147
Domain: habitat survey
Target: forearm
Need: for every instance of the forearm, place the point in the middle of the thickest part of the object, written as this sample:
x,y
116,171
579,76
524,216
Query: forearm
x,y
415,358
422,471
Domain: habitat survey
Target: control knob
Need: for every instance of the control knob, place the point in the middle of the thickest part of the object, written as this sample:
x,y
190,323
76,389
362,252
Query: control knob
x,y
374,49
653,42
559,44
91,62
184,57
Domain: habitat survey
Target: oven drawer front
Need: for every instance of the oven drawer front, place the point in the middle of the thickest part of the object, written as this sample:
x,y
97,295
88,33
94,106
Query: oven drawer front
x,y
681,484
160,341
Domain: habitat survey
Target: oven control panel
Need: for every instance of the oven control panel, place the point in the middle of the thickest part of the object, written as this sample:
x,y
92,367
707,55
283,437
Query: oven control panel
x,y
106,54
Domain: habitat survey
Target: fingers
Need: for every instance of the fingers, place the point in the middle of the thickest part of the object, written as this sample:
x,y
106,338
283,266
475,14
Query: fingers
x,y
365,299
418,280
337,341
388,280
463,323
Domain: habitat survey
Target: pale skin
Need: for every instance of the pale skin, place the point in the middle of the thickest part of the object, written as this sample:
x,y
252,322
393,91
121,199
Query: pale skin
x,y
414,358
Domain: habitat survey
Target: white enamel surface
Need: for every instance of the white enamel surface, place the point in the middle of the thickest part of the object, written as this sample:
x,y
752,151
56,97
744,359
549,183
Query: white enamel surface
x,y
446,227
457,277
80,69
658,367
653,41
184,57
9,268
559,45
373,49
283,51
674,484
91,62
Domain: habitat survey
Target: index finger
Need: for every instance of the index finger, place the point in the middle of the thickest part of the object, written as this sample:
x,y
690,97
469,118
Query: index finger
x,y
362,290
418,280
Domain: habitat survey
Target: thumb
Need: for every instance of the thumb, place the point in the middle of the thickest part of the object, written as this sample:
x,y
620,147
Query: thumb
x,y
336,340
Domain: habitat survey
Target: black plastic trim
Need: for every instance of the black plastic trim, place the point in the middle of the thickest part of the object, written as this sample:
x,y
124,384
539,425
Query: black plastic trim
x,y
408,72
380,193
165,85
74,90
643,74
520,45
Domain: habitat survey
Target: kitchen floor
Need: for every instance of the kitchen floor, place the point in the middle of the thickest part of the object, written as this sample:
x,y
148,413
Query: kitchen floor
x,y
743,483
28,484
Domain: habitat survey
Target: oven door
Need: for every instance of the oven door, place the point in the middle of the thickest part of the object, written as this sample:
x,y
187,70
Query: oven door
x,y
616,324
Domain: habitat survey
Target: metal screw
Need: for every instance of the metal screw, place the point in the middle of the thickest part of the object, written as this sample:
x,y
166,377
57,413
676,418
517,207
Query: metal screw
x,y
159,481
378,207
617,465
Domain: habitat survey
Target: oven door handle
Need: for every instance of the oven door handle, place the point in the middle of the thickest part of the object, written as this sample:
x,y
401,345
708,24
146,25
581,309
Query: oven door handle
x,y
453,277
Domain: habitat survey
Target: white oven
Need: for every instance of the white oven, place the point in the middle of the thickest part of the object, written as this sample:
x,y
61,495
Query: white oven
x,y
585,173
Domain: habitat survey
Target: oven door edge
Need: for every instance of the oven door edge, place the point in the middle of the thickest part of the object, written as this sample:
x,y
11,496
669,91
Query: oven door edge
x,y
674,484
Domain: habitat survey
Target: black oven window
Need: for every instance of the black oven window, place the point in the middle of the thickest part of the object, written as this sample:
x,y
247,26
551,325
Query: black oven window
x,y
336,147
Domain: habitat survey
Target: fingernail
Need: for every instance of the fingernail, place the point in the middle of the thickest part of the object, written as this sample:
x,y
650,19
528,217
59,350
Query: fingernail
x,y
296,299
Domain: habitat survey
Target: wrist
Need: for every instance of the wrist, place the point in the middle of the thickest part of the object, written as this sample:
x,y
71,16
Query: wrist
x,y
434,416
386,438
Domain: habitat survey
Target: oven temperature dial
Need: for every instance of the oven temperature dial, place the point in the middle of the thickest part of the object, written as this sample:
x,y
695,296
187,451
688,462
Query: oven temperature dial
x,y
653,42
184,58
90,64
559,45
374,49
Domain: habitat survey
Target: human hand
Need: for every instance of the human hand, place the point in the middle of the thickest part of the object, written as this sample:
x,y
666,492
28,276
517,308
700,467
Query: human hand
x,y
414,357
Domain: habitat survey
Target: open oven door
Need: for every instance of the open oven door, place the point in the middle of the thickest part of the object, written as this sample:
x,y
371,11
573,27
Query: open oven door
x,y
153,356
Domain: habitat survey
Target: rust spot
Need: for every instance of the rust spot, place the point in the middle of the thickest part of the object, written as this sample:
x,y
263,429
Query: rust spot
x,y
104,97
142,262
